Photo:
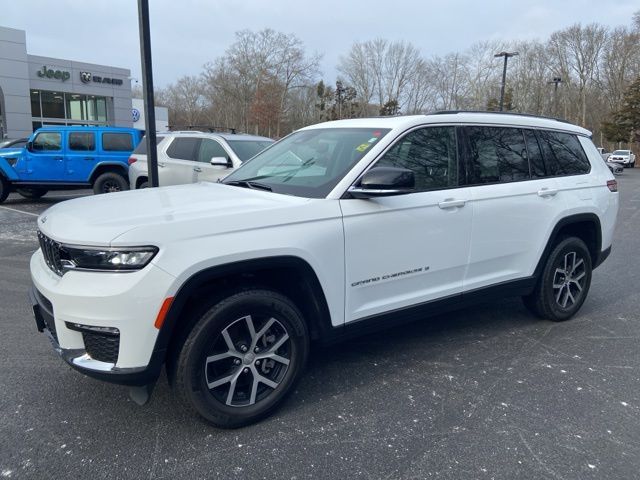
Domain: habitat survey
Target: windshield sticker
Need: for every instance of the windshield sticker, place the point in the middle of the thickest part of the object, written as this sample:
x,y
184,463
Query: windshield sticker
x,y
362,147
371,140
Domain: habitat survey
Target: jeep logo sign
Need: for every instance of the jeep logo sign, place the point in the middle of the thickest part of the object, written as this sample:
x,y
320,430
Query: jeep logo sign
x,y
53,74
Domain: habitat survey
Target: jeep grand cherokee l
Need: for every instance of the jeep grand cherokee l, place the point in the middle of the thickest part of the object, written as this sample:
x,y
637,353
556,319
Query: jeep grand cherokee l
x,y
336,229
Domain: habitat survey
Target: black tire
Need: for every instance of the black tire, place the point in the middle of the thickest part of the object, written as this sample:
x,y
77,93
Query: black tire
x,y
212,356
557,295
110,182
144,184
32,192
4,189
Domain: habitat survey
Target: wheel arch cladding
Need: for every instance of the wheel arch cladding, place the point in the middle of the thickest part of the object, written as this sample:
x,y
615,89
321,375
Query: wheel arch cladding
x,y
585,226
290,276
108,167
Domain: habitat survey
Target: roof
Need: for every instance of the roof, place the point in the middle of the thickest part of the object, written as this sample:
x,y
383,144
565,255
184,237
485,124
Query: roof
x,y
227,136
491,118
91,128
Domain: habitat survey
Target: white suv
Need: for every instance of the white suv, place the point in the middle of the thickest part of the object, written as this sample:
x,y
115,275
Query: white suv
x,y
624,157
338,228
190,156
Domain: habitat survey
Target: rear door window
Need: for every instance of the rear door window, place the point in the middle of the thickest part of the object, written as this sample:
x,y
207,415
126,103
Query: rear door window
x,y
563,154
141,149
184,148
534,153
497,154
117,142
82,141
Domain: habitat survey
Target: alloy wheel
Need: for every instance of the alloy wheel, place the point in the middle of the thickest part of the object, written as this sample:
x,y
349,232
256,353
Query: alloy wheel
x,y
569,280
249,360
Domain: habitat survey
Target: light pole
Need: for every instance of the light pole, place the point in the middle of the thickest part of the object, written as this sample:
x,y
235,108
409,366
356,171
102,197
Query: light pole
x,y
506,56
556,81
147,90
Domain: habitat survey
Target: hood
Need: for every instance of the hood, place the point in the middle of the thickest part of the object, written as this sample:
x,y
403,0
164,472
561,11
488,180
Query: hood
x,y
10,152
153,216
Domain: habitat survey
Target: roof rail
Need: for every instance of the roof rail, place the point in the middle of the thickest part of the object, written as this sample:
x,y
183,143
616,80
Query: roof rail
x,y
448,112
209,128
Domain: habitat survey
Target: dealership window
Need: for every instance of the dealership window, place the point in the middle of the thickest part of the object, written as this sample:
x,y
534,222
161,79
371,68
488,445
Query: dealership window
x,y
60,108
35,104
52,104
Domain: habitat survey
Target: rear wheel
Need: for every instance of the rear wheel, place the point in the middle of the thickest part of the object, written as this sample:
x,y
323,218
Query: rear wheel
x,y
144,184
4,189
242,358
564,283
110,182
32,192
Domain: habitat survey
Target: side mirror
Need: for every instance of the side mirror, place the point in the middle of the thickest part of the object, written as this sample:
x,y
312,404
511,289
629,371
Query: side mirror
x,y
29,146
221,162
383,182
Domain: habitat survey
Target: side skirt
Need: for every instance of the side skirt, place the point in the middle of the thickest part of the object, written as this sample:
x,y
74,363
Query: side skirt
x,y
422,311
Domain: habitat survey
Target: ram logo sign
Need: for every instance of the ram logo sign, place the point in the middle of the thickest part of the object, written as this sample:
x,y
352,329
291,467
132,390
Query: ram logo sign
x,y
85,77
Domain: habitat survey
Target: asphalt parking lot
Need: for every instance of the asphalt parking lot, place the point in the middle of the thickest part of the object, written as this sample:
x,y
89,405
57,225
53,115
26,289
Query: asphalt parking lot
x,y
488,392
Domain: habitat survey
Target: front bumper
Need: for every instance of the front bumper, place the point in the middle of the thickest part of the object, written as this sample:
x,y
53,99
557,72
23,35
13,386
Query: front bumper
x,y
102,324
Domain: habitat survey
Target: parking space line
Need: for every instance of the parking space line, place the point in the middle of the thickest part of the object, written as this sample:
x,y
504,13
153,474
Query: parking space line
x,y
20,211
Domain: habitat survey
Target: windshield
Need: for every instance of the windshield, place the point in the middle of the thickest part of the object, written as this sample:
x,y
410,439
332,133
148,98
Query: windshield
x,y
308,163
621,152
245,149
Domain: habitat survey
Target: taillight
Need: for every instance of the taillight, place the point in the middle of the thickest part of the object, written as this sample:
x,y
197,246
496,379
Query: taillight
x,y
612,185
132,160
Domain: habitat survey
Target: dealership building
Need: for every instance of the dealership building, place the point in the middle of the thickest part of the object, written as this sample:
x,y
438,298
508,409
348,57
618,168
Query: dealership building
x,y
36,91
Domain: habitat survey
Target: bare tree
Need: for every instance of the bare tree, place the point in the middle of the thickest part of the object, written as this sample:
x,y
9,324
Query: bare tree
x,y
577,51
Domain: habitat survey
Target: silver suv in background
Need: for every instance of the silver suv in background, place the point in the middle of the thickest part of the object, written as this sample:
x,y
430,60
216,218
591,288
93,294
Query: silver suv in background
x,y
190,156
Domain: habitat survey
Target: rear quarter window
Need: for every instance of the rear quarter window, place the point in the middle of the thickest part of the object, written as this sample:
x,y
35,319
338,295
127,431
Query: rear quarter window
x,y
563,154
141,149
117,142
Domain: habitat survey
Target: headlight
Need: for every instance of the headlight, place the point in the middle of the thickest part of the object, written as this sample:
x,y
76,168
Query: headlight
x,y
126,259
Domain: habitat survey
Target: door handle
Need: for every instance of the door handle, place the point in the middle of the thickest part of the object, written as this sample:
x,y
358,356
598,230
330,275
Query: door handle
x,y
452,203
58,158
197,169
547,192
161,165
88,158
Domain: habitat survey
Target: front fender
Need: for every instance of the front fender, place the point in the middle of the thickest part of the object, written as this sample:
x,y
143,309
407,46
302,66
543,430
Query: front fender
x,y
7,170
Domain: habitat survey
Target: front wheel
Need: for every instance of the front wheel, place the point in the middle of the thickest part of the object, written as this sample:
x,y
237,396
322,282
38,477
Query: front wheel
x,y
564,283
4,189
242,358
32,193
110,182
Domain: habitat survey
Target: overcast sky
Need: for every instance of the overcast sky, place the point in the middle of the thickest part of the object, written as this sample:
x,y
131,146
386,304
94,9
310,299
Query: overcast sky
x,y
188,33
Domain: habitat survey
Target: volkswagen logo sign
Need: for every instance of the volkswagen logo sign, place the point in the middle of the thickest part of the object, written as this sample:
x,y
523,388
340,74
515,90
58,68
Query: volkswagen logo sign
x,y
85,77
135,114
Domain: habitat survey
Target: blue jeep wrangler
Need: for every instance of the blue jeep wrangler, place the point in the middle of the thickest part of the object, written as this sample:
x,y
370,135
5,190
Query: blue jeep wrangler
x,y
61,158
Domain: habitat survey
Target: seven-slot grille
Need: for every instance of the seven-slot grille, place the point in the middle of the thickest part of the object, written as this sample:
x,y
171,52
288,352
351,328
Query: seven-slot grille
x,y
51,250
